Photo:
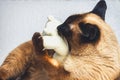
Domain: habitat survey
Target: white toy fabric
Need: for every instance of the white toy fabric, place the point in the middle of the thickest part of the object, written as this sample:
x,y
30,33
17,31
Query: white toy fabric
x,y
52,40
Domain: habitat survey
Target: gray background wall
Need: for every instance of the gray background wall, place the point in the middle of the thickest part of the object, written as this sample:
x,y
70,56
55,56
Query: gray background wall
x,y
19,19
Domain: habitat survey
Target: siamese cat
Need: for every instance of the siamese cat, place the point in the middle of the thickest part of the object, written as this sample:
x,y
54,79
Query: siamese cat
x,y
94,52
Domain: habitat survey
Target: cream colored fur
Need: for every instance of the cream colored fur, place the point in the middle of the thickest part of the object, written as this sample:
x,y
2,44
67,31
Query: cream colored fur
x,y
99,62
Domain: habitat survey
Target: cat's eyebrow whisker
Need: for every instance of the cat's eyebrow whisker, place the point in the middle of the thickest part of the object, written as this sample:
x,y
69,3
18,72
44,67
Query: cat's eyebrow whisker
x,y
40,37
43,49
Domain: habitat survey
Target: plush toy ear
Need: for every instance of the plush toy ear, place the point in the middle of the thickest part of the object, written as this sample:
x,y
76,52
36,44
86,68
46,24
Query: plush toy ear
x,y
90,33
50,18
100,9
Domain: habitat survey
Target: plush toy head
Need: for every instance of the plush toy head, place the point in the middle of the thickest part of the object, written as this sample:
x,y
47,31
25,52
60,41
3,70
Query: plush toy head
x,y
51,26
50,33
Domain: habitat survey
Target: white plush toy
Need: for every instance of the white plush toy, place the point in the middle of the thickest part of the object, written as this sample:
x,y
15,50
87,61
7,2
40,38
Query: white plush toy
x,y
52,40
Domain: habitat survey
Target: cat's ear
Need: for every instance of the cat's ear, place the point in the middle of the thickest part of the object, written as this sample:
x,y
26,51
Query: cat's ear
x,y
100,9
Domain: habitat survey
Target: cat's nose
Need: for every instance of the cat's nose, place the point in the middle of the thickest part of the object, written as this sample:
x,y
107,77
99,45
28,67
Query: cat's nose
x,y
64,30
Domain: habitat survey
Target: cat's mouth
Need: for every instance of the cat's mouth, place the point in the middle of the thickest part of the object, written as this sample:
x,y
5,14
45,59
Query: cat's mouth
x,y
64,37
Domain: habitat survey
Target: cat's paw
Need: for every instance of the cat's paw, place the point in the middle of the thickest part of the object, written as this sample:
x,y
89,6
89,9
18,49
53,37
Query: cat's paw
x,y
38,42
